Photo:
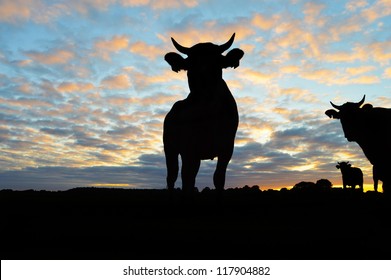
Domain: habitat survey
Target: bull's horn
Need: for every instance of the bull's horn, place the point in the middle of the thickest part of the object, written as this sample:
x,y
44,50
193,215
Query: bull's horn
x,y
335,106
361,102
180,48
227,45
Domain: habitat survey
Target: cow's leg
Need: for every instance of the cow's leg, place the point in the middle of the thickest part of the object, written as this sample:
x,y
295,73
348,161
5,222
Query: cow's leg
x,y
375,178
171,151
190,167
386,187
220,172
172,168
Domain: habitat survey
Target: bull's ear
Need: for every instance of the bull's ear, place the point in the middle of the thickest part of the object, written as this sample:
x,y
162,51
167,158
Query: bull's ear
x,y
332,114
337,166
232,58
367,107
176,61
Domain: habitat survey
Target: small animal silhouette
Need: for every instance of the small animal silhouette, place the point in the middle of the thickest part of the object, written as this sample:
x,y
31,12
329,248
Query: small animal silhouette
x,y
351,176
370,127
203,125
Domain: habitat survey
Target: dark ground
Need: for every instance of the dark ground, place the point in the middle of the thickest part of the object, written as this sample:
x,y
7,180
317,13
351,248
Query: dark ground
x,y
146,224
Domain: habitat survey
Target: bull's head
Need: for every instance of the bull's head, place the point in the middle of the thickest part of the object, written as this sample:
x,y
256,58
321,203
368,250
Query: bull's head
x,y
204,62
343,165
349,114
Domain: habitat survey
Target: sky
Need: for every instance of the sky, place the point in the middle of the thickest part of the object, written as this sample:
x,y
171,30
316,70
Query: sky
x,y
84,87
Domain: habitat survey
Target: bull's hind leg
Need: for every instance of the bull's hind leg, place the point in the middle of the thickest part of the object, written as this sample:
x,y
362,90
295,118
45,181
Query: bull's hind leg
x,y
172,169
387,187
375,178
190,167
220,172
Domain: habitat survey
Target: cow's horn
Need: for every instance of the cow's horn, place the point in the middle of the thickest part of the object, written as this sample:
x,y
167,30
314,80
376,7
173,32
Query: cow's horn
x,y
227,45
335,106
180,48
361,102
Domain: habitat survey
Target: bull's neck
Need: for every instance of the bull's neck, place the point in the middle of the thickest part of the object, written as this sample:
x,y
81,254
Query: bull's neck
x,y
219,88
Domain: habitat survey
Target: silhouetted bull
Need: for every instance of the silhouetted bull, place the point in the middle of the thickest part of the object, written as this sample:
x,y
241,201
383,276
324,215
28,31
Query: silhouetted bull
x,y
203,125
371,128
351,176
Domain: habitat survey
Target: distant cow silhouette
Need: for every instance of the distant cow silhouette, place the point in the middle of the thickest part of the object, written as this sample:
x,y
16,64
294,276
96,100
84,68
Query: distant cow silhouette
x,y
371,128
203,125
351,176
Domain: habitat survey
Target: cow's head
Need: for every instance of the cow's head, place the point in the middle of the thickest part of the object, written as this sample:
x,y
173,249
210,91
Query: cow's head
x,y
343,165
204,62
350,115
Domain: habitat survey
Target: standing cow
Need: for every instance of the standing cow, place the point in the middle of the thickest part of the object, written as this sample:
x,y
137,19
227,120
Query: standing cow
x,y
370,127
203,125
351,176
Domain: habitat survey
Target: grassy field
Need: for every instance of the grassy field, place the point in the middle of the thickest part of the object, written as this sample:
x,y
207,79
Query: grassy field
x,y
99,223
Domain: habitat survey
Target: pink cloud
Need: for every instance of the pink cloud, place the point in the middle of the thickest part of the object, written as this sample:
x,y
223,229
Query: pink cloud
x,y
14,10
265,22
104,48
148,51
72,87
161,4
117,82
54,57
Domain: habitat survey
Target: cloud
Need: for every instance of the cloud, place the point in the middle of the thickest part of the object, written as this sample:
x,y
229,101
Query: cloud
x,y
340,76
298,94
161,4
312,14
387,73
42,12
381,8
256,77
143,80
117,82
58,56
264,22
353,5
104,48
379,51
14,11
148,51
72,87
11,11
135,3
218,32
43,177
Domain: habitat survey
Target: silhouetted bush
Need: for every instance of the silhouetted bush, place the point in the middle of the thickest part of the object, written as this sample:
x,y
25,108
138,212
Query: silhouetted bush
x,y
324,184
304,186
320,185
206,190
